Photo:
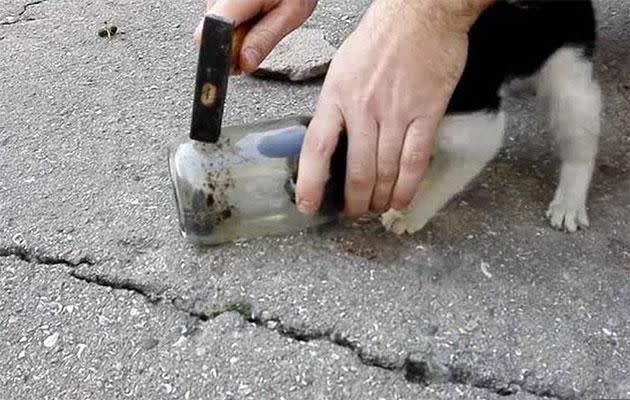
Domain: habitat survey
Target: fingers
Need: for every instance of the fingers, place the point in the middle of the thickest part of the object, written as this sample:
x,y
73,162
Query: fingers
x,y
361,164
236,10
278,18
390,142
320,142
375,180
414,159
266,34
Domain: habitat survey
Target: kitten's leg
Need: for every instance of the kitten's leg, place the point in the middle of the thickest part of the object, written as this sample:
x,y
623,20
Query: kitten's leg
x,y
520,87
573,99
465,144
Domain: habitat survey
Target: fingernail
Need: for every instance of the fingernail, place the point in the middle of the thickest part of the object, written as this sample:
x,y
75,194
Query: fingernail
x,y
397,205
378,210
305,206
252,56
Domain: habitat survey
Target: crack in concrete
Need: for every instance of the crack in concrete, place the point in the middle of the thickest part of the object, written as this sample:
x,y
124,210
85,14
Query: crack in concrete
x,y
31,256
143,290
14,19
329,335
418,368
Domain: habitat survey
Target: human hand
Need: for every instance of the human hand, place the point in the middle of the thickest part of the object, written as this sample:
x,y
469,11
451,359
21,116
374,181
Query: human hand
x,y
388,85
273,20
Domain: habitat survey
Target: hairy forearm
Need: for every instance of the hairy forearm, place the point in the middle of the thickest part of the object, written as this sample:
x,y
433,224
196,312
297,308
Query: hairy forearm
x,y
451,13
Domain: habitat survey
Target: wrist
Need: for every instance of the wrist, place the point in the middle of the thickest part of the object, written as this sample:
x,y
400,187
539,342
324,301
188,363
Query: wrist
x,y
466,11
478,6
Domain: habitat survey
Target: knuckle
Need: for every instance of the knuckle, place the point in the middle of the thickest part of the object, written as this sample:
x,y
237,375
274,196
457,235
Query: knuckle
x,y
387,173
299,10
413,160
322,145
265,36
359,178
364,103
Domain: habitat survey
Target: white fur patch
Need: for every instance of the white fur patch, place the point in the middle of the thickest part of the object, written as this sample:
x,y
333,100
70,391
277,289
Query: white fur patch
x,y
465,144
573,98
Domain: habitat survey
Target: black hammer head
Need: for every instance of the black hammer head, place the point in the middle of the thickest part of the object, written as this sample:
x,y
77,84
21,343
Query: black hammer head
x,y
213,70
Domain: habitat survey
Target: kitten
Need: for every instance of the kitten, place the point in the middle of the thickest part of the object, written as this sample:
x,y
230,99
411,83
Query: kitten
x,y
547,46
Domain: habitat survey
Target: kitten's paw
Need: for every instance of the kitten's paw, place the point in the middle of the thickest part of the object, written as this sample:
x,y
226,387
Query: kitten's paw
x,y
401,222
564,215
394,221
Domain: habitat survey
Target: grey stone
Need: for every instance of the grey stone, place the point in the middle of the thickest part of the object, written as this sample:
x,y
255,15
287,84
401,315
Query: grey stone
x,y
302,55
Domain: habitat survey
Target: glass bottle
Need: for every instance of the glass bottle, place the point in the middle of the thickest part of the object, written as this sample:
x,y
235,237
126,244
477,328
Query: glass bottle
x,y
242,186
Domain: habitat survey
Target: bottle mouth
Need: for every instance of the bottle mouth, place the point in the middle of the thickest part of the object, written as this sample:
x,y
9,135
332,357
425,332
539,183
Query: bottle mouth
x,y
175,192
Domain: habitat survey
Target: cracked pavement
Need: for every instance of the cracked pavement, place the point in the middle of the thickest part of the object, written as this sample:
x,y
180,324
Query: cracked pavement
x,y
18,16
101,298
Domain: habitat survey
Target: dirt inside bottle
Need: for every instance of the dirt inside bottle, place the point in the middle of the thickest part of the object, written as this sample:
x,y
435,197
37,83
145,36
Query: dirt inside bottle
x,y
244,185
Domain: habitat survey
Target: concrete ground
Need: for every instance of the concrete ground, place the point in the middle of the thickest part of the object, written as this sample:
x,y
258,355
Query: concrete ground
x,y
101,298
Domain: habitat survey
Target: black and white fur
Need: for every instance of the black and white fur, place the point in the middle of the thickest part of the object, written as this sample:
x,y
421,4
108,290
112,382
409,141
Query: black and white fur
x,y
548,45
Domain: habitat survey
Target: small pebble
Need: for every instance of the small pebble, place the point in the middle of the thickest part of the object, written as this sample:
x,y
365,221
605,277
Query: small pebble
x,y
484,269
81,348
168,388
18,239
180,342
51,340
148,344
244,390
